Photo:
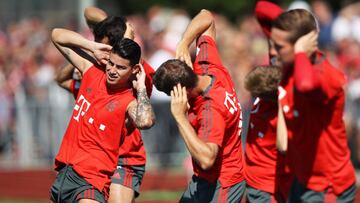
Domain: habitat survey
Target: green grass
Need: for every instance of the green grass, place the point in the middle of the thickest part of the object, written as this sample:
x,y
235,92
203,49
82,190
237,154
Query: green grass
x,y
159,195
154,195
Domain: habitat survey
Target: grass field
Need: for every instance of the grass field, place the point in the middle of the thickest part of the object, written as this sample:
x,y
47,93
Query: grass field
x,y
32,186
145,197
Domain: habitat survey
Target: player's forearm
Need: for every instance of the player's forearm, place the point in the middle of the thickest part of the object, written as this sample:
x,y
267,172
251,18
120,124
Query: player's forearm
x,y
64,76
199,24
145,116
69,38
200,151
64,73
281,132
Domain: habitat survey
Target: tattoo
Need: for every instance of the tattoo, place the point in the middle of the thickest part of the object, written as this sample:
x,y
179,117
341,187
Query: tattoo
x,y
143,115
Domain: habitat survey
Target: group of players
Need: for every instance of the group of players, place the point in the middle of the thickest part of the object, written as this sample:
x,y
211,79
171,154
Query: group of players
x,y
296,146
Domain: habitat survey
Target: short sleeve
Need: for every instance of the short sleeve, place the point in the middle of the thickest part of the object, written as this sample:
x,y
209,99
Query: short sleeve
x,y
207,55
212,125
149,71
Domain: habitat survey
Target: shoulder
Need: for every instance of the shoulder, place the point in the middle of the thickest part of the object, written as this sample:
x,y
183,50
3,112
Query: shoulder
x,y
330,74
93,71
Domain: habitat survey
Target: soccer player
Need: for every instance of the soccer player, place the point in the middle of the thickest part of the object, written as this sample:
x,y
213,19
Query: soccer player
x,y
266,173
130,170
312,99
213,136
89,151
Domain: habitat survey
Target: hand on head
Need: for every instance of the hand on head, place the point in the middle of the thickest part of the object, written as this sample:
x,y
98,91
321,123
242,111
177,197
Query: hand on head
x,y
102,52
179,102
307,43
139,83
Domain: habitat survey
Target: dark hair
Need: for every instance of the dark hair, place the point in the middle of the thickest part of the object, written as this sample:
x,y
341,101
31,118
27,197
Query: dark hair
x,y
263,81
112,27
298,22
127,49
172,72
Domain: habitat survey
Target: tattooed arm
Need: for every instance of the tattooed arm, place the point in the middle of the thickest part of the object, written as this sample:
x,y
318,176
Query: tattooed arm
x,y
140,110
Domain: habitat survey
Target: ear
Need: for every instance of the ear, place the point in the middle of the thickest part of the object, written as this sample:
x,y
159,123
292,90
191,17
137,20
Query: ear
x,y
136,69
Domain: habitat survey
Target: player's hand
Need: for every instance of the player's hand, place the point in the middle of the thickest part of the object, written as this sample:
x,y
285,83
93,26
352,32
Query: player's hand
x,y
139,83
129,33
101,52
183,54
307,43
179,102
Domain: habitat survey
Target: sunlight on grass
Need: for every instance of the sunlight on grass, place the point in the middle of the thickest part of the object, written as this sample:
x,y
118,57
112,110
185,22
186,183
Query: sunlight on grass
x,y
160,195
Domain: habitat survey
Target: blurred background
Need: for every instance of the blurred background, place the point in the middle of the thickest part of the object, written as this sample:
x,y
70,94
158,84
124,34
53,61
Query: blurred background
x,y
34,110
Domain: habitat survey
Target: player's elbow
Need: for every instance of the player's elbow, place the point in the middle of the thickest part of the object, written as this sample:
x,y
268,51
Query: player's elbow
x,y
305,86
55,35
207,163
146,124
207,15
59,80
87,12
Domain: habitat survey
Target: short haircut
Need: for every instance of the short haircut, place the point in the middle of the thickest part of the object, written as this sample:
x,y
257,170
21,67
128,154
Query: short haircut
x,y
263,81
298,22
112,27
173,72
127,49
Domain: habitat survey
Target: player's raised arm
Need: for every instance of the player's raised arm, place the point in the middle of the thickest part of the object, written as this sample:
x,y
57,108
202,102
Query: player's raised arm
x,y
140,110
266,12
202,24
306,77
94,15
66,40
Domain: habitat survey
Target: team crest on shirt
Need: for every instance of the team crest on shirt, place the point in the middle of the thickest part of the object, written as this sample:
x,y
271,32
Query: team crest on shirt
x,y
111,106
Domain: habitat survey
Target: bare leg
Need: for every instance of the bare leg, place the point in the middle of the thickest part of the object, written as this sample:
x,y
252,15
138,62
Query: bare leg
x,y
120,193
88,201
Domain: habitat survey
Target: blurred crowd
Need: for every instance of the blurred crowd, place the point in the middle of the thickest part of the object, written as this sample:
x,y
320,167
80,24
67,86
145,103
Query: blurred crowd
x,y
34,111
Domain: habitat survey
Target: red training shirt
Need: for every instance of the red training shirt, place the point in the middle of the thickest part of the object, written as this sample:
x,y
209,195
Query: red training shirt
x,y
265,168
132,150
217,119
92,139
318,151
